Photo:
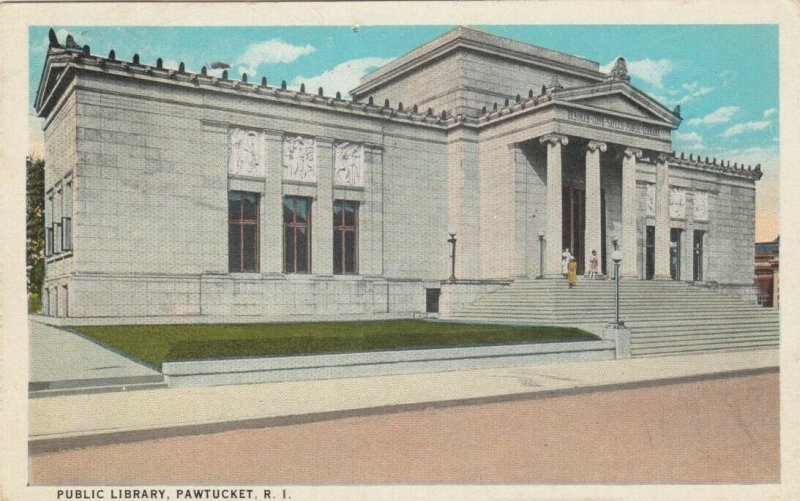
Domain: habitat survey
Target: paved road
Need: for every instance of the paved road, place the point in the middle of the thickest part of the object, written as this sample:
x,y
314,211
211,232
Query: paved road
x,y
709,431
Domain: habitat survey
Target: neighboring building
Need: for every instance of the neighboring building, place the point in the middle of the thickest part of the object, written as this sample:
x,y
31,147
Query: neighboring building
x,y
172,193
767,272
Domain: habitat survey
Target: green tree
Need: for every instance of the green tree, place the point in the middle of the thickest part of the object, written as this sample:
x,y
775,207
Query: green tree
x,y
34,211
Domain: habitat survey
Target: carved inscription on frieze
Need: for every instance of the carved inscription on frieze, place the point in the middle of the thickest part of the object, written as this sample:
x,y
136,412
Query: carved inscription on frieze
x,y
700,206
299,159
245,152
613,123
348,166
677,203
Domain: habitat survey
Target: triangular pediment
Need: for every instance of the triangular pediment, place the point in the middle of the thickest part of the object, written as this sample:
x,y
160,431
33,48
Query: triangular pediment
x,y
621,98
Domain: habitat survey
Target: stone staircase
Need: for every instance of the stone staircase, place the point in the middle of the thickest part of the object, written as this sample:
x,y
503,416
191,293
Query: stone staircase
x,y
665,317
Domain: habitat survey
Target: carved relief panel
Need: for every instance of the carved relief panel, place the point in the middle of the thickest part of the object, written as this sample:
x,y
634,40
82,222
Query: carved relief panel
x,y
677,203
651,200
348,167
245,152
299,159
701,206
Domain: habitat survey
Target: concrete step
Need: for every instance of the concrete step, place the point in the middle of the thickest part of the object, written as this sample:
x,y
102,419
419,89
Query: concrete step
x,y
664,316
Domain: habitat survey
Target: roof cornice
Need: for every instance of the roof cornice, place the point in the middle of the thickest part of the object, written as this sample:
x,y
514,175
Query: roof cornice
x,y
477,41
72,63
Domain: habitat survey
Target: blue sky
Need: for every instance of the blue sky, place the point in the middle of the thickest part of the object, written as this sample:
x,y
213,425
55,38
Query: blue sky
x,y
724,76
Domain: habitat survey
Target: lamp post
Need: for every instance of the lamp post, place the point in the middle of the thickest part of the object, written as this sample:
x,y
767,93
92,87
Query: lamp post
x,y
452,241
616,256
541,254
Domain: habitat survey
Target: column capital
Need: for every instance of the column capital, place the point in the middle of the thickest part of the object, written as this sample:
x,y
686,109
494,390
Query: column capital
x,y
633,152
663,157
554,139
596,145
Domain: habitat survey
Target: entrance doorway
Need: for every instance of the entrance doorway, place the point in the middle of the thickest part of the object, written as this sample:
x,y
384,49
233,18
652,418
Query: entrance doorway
x,y
650,252
574,223
675,253
697,266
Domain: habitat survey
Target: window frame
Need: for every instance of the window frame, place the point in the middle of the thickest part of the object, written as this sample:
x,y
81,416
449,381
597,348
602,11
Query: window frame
x,y
66,231
295,226
343,229
240,224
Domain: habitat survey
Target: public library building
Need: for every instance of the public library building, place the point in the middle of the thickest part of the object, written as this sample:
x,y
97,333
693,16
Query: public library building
x,y
179,194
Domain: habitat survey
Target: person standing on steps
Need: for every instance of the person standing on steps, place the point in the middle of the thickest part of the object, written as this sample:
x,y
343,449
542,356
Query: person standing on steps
x,y
565,257
572,272
593,265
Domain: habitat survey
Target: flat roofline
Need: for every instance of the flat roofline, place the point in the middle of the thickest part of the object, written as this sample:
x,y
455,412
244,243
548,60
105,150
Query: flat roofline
x,y
467,37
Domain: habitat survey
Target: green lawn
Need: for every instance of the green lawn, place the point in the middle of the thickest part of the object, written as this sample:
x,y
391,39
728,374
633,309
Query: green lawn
x,y
155,344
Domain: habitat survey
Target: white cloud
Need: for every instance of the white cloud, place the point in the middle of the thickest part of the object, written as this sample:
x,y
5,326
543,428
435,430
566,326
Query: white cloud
x,y
769,112
344,77
649,70
270,51
695,90
688,137
746,126
718,116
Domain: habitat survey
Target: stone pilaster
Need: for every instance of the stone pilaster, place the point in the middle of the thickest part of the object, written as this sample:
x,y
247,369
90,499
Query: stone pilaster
x,y
517,159
271,227
593,231
628,267
371,214
322,211
662,219
552,237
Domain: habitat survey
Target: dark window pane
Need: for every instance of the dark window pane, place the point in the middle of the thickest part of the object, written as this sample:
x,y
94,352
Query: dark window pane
x,y
301,210
234,206
302,250
338,259
250,206
288,250
288,210
350,214
234,248
249,247
337,213
350,252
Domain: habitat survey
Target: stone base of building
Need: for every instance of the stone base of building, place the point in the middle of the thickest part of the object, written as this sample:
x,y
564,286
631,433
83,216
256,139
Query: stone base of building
x,y
457,295
245,297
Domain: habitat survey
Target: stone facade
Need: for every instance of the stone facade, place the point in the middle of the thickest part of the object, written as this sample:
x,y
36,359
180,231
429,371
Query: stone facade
x,y
141,161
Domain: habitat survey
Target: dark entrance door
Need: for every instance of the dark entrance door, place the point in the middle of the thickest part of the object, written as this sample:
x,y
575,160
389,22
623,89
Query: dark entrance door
x,y
573,223
697,267
650,252
675,253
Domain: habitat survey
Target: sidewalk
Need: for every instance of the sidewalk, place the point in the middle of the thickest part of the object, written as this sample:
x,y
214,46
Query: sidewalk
x,y
91,419
63,361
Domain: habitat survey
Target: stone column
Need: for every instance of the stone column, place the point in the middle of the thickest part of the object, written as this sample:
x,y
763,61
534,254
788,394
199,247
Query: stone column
x,y
661,271
552,256
322,211
628,238
592,216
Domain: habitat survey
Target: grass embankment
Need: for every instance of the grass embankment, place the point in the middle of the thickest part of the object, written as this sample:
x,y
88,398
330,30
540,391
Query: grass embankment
x,y
155,344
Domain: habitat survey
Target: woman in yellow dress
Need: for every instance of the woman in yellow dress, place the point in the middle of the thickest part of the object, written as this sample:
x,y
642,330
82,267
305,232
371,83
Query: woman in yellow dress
x,y
572,272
